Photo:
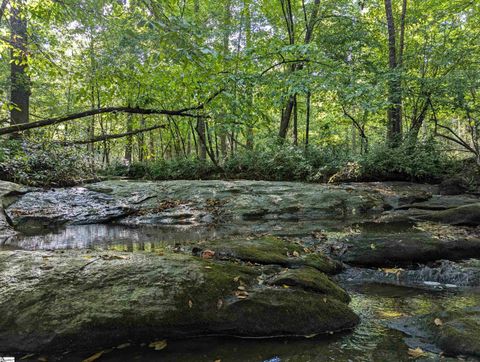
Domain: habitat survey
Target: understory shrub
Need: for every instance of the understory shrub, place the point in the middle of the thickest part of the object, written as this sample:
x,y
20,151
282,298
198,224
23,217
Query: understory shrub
x,y
174,169
424,161
54,165
44,164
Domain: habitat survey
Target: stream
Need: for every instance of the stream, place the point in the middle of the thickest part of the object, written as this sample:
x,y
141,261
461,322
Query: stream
x,y
376,304
137,253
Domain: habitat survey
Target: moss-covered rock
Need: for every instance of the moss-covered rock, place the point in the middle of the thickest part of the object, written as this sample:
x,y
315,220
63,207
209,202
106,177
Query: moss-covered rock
x,y
385,249
270,250
455,332
464,215
70,300
309,279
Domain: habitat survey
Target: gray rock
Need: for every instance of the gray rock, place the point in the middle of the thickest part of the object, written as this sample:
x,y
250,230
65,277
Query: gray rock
x,y
268,205
463,215
398,249
455,332
9,192
72,300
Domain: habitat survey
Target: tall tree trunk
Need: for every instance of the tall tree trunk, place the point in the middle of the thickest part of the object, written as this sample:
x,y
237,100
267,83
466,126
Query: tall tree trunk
x,y
129,141
202,139
249,91
310,26
200,128
222,132
141,142
295,121
307,120
91,124
20,81
394,113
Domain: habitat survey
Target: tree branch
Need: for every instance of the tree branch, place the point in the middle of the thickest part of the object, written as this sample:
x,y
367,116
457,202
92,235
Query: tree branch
x,y
51,121
111,136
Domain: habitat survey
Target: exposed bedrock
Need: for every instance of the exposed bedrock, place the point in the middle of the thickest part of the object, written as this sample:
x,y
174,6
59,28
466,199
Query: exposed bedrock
x,y
73,299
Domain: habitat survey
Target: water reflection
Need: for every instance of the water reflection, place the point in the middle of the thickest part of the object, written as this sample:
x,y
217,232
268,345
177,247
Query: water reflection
x,y
110,237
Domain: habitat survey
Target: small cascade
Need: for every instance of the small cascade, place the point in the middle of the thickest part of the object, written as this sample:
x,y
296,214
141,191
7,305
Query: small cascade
x,y
442,274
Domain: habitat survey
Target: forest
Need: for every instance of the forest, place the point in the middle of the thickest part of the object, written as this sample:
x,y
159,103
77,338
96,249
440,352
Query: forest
x,y
240,180
279,90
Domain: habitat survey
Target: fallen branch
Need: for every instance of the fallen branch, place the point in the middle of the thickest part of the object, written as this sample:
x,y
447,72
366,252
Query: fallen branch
x,y
185,112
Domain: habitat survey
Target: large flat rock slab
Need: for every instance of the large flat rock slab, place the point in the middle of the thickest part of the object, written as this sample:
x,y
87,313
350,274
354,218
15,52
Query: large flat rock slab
x,y
71,300
199,203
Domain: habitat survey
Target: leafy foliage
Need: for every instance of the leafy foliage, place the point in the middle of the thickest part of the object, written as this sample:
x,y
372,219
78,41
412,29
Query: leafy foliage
x,y
175,54
45,165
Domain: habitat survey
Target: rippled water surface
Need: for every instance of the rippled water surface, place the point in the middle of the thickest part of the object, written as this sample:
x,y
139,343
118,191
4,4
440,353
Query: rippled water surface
x,y
370,341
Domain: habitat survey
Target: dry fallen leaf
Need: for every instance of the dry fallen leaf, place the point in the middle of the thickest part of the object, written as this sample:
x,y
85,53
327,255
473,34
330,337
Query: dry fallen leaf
x,y
208,267
113,257
296,254
417,352
158,345
372,246
208,254
241,287
390,314
286,286
438,322
123,345
190,304
396,271
94,357
219,304
236,279
241,294
27,356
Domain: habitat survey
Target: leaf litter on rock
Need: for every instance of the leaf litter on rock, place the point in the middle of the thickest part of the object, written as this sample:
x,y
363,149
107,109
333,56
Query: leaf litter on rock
x,y
158,345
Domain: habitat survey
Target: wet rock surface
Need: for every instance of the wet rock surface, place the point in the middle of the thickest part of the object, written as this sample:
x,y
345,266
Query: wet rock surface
x,y
227,271
194,203
439,275
269,250
383,249
454,332
73,299
9,192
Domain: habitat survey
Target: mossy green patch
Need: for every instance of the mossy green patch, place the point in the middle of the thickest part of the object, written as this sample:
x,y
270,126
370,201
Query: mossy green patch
x,y
310,279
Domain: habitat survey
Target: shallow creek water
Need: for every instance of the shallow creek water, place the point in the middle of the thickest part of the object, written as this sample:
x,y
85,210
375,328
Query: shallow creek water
x,y
372,340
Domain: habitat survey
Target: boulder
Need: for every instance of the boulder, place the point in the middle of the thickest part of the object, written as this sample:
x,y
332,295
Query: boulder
x,y
42,210
73,300
464,215
455,185
385,249
269,250
309,279
8,193
455,332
